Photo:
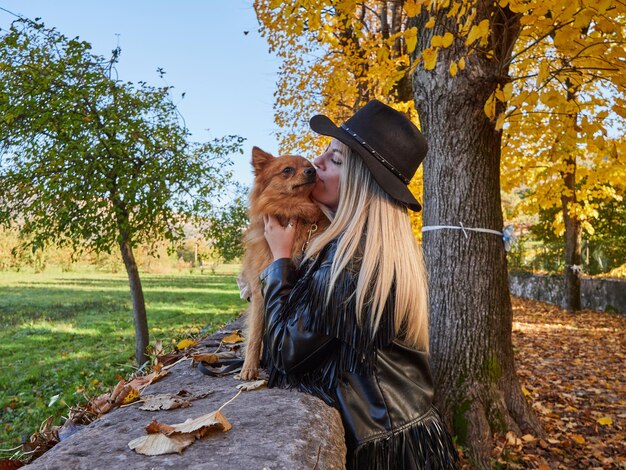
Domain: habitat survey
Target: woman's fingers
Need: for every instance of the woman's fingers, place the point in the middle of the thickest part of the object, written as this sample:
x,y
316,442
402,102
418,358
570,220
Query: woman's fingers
x,y
279,237
271,222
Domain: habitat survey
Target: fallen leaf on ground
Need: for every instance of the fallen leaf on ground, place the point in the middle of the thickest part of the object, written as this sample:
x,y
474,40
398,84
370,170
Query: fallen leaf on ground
x,y
164,401
141,382
7,464
206,357
185,343
159,444
171,358
169,438
201,424
156,427
131,396
249,386
233,337
605,421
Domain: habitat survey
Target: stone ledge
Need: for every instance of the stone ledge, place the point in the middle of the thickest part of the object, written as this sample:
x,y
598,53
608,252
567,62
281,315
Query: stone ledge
x,y
272,428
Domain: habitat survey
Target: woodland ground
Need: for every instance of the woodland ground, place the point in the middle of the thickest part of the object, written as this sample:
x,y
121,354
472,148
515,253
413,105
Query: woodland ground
x,y
70,334
572,368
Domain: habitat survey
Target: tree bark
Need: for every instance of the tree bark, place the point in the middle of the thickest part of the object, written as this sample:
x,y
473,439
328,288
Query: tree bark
x,y
477,389
139,305
573,240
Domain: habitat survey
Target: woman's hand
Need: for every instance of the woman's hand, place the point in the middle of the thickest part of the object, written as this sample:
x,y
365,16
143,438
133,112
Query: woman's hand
x,y
279,238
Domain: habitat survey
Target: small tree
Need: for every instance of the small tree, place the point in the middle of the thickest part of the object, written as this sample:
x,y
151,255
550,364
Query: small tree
x,y
227,226
87,160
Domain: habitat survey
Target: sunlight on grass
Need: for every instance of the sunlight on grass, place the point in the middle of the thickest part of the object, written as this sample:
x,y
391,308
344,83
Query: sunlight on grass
x,y
71,334
46,328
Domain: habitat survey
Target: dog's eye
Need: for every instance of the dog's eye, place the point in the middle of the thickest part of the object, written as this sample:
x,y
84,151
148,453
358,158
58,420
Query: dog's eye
x,y
288,170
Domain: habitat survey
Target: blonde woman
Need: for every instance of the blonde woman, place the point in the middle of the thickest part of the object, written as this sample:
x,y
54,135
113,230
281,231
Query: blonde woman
x,y
350,324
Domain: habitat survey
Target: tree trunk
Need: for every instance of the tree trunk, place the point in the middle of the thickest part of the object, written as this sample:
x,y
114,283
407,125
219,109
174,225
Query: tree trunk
x,y
477,389
139,305
573,237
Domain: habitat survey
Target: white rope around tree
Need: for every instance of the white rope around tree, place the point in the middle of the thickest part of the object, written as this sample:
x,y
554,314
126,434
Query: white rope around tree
x,y
507,234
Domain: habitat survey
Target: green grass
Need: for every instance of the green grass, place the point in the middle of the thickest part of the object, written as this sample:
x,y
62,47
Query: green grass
x,y
71,334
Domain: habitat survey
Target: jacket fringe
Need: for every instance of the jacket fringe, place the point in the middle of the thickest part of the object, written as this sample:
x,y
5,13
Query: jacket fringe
x,y
357,343
421,445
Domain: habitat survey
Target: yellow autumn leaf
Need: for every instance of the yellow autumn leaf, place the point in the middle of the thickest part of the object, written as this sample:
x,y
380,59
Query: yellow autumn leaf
x,y
447,39
462,63
436,41
429,56
413,7
620,110
478,31
410,36
500,121
525,392
544,71
185,343
603,5
507,91
490,106
605,421
430,23
453,69
499,94
578,439
233,338
132,396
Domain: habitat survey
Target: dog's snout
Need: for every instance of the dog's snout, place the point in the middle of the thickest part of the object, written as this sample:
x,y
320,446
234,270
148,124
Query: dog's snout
x,y
309,171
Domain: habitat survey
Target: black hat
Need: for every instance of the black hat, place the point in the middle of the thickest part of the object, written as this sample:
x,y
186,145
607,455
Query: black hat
x,y
389,143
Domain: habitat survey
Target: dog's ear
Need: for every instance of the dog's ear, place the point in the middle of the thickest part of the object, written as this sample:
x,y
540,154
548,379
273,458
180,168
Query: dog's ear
x,y
260,159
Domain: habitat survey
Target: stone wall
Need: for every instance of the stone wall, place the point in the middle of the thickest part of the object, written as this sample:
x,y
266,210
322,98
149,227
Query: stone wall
x,y
599,294
272,429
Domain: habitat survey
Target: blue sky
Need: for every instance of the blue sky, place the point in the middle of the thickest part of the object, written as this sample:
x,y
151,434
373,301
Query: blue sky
x,y
228,77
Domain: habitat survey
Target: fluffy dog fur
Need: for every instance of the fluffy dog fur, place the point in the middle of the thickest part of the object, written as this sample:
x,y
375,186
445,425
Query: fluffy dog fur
x,y
282,186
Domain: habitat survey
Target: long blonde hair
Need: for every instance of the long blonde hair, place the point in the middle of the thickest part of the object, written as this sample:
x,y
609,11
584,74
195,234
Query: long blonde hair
x,y
390,257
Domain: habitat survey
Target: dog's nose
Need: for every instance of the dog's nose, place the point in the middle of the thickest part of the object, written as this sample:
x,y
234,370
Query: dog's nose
x,y
309,171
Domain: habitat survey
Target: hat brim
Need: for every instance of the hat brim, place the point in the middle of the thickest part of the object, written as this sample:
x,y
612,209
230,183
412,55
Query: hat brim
x,y
384,177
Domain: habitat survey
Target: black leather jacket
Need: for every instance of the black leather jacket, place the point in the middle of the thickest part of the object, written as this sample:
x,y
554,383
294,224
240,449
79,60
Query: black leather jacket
x,y
381,386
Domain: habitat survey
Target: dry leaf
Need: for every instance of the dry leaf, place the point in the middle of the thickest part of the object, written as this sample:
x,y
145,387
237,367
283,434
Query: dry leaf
x,y
528,438
578,439
185,343
131,396
141,382
206,357
118,388
233,337
159,444
156,427
171,358
163,401
605,421
249,386
7,464
214,420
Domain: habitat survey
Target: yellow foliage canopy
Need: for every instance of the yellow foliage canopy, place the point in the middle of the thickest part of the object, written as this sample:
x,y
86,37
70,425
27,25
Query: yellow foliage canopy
x,y
564,100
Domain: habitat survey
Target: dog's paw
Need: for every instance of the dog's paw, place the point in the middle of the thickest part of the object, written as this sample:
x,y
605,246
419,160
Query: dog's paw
x,y
249,373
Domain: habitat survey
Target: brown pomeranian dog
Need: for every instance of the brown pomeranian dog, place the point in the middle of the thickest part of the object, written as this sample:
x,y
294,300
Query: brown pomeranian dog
x,y
282,186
